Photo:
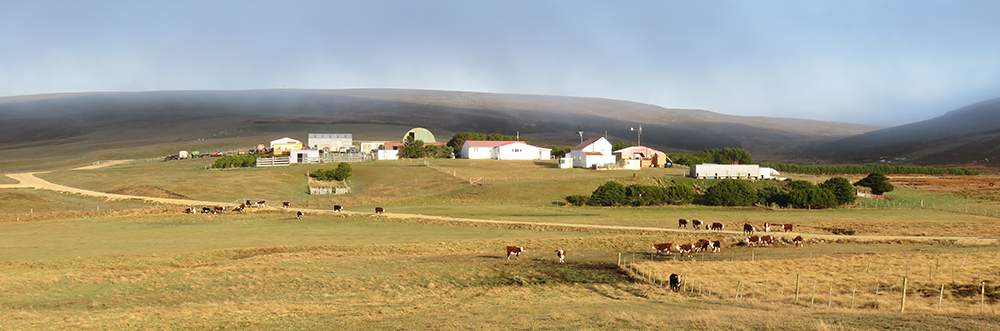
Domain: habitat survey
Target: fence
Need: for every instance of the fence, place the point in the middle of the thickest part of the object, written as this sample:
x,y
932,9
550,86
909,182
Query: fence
x,y
272,161
329,190
346,157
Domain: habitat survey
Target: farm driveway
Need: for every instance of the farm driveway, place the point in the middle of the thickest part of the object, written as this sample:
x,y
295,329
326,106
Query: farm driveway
x,y
28,180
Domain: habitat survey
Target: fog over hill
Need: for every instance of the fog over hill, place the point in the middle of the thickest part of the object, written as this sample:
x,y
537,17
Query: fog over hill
x,y
40,120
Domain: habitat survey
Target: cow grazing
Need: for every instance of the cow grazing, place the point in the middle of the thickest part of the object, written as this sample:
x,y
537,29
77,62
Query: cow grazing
x,y
696,224
285,204
787,227
718,226
767,227
753,240
562,255
218,209
260,204
797,241
337,207
249,204
516,250
716,246
675,282
189,210
298,215
767,240
702,245
748,228
664,247
206,210
686,248
239,208
682,223
379,210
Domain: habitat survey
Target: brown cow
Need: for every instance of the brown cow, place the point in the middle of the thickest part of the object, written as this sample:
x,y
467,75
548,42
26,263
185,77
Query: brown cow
x,y
516,250
702,245
696,224
189,210
797,241
686,248
787,227
249,204
239,208
218,209
379,210
260,203
682,223
748,228
753,240
285,204
767,240
664,247
718,226
298,215
562,255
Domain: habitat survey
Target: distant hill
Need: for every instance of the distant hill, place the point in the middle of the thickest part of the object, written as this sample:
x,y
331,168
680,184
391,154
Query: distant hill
x,y
965,136
45,120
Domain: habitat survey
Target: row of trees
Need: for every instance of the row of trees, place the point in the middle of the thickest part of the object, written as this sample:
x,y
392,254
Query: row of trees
x,y
866,169
415,149
726,155
341,172
616,194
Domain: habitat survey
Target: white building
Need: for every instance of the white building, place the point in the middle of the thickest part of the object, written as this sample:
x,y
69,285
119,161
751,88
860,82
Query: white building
x,y
593,152
388,151
284,145
732,171
332,142
303,156
504,150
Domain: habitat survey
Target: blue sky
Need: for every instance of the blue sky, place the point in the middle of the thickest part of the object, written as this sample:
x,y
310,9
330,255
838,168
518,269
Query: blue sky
x,y
873,62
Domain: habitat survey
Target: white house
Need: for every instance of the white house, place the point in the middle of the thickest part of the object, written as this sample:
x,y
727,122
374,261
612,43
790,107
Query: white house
x,y
504,150
733,171
388,151
593,152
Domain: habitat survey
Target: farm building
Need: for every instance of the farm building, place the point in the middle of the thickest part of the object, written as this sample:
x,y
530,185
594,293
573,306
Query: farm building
x,y
390,151
331,142
503,150
304,156
284,145
733,171
370,146
419,134
647,157
593,152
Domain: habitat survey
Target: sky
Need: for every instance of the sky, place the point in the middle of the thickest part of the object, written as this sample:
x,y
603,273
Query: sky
x,y
875,62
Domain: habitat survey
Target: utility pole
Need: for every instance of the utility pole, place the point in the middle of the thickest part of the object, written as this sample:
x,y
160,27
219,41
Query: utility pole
x,y
579,131
640,133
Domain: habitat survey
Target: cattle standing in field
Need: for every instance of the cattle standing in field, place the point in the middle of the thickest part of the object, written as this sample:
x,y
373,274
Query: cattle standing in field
x,y
682,223
748,228
718,226
239,208
686,248
379,210
189,210
206,210
260,204
716,246
285,204
767,227
787,227
298,215
702,245
696,224
767,240
562,255
249,204
675,282
664,247
218,209
797,241
516,250
337,207
753,240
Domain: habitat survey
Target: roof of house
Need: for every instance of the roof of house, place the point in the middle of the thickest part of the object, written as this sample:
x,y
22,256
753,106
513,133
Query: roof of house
x,y
586,143
485,143
646,151
592,153
285,140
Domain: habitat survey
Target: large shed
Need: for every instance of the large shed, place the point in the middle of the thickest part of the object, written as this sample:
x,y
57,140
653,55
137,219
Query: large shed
x,y
331,142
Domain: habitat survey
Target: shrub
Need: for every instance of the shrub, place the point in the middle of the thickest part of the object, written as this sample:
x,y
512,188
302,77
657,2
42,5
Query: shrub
x,y
679,194
578,200
236,161
609,194
878,182
772,194
842,189
814,197
644,195
342,172
731,192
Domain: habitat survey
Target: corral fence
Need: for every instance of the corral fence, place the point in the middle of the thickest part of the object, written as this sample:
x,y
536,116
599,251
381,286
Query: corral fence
x,y
273,161
329,190
874,286
346,157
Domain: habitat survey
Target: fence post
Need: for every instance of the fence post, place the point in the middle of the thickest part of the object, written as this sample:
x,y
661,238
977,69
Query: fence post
x,y
710,288
902,306
982,296
876,296
796,288
853,293
940,297
619,259
830,302
739,287
812,299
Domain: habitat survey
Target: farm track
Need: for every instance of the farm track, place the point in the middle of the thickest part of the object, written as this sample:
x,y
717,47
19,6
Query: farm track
x,y
28,180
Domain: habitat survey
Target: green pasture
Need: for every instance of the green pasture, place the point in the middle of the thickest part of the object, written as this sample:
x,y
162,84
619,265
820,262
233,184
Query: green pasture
x,y
24,201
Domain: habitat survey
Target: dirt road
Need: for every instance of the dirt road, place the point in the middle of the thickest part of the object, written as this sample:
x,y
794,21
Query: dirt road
x,y
28,180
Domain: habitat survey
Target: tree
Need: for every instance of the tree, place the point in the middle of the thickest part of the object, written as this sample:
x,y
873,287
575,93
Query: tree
x,y
813,197
578,200
412,149
731,192
877,182
609,194
841,188
342,172
679,194
622,145
772,194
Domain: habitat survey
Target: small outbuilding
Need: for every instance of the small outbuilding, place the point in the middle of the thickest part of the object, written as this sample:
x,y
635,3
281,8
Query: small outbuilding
x,y
304,156
285,145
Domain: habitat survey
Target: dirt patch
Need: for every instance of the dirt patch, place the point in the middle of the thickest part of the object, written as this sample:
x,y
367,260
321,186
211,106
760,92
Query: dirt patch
x,y
148,191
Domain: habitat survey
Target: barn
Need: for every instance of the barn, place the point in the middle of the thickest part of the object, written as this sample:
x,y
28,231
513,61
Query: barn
x,y
331,142
419,134
284,145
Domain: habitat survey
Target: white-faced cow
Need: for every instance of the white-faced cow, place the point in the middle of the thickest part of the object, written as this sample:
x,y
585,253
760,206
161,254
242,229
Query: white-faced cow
x,y
516,250
239,208
787,227
797,241
753,240
675,282
260,204
682,223
379,210
249,204
686,248
716,246
189,210
337,207
767,227
664,247
298,215
561,254
767,240
696,224
718,226
748,228
285,204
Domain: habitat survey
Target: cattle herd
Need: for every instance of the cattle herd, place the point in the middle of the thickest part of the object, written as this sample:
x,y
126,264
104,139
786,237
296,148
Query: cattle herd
x,y
703,245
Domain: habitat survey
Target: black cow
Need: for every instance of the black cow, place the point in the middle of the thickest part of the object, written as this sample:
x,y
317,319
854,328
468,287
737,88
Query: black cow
x,y
675,282
379,210
748,228
298,215
337,207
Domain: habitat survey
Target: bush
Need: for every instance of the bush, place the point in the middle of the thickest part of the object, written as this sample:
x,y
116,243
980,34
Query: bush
x,y
731,192
644,195
842,189
236,161
342,172
609,194
773,194
878,182
578,200
814,197
679,194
